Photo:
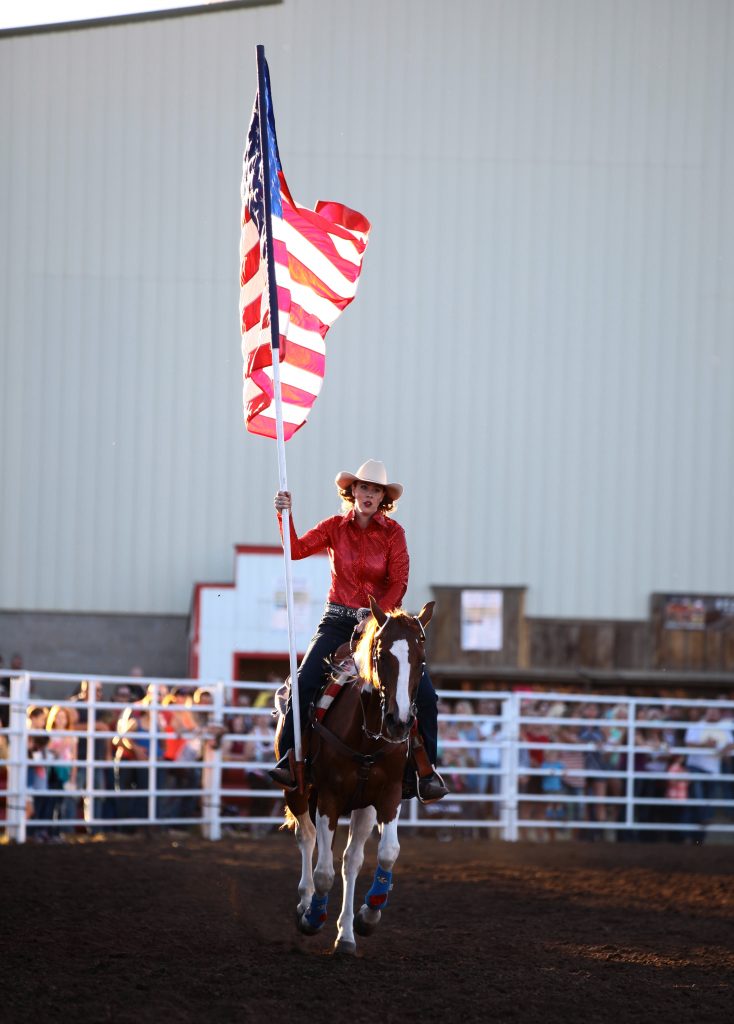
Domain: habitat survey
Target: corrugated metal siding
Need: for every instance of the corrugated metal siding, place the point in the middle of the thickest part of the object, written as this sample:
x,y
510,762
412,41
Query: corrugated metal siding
x,y
542,347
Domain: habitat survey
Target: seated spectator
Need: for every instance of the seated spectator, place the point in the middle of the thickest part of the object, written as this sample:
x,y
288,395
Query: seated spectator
x,y
40,806
235,748
138,689
132,755
651,756
594,761
676,789
574,776
552,785
181,751
538,734
96,807
490,754
451,756
122,694
235,744
715,741
4,708
615,759
469,733
727,761
62,776
260,740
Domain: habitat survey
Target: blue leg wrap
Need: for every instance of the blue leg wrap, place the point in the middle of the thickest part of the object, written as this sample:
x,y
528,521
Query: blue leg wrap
x,y
376,898
316,913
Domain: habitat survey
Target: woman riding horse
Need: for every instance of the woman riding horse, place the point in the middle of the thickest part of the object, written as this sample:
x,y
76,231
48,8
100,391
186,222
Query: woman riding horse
x,y
369,558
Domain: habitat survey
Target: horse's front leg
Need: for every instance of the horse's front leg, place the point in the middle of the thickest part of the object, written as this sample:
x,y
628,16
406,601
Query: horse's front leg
x,y
313,918
361,825
306,839
387,853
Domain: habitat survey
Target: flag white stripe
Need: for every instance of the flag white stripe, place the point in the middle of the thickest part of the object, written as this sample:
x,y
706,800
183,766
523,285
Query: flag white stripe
x,y
304,380
317,263
317,306
347,249
308,339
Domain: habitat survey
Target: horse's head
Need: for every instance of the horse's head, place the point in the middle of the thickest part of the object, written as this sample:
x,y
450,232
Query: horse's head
x,y
391,656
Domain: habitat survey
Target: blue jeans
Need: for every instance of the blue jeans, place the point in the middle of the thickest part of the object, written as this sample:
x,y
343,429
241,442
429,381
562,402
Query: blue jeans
x,y
331,633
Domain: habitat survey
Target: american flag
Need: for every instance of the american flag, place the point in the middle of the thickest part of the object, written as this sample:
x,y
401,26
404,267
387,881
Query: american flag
x,y
318,256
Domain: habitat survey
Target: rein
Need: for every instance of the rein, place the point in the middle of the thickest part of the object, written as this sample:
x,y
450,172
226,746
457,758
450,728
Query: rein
x,y
380,734
363,760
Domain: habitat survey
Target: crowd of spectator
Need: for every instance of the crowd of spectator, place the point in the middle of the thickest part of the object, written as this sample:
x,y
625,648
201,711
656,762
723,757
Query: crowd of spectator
x,y
573,764
574,773
185,737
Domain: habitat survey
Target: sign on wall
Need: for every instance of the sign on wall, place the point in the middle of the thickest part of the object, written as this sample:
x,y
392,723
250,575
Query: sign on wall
x,y
481,620
697,611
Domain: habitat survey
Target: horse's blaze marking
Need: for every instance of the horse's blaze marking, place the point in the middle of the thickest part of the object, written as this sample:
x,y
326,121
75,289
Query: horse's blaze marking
x,y
399,651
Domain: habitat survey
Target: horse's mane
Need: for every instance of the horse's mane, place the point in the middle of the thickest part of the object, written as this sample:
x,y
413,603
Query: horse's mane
x,y
364,650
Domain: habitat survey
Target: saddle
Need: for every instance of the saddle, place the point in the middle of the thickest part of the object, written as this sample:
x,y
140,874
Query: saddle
x,y
341,665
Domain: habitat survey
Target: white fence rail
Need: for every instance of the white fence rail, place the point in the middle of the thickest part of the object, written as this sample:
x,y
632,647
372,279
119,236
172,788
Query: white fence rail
x,y
519,764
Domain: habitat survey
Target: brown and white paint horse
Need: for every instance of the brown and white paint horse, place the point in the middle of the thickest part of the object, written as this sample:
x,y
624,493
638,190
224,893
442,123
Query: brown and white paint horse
x,y
357,757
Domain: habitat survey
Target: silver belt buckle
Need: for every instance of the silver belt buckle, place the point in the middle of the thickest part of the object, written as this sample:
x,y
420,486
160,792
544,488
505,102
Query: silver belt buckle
x,y
363,613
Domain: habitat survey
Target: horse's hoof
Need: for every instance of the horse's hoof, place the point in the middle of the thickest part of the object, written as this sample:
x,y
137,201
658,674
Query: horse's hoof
x,y
303,925
343,947
362,927
306,929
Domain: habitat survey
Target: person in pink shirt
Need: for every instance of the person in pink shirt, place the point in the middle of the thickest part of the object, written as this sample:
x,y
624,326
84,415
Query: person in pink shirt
x,y
63,772
369,559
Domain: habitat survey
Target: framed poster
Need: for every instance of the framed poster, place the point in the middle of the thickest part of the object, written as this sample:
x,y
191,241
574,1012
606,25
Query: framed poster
x,y
697,611
481,620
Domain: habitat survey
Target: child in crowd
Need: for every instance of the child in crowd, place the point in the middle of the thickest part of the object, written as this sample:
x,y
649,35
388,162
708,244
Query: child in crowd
x,y
62,776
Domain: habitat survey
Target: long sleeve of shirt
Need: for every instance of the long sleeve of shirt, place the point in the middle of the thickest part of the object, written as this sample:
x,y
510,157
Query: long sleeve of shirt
x,y
311,543
398,568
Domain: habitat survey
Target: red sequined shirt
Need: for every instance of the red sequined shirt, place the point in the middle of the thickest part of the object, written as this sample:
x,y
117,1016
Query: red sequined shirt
x,y
363,562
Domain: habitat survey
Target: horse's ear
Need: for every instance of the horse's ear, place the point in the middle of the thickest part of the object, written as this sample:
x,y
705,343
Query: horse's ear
x,y
426,613
377,611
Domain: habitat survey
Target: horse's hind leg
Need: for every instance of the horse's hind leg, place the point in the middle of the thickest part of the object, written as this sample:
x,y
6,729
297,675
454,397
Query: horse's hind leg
x,y
388,849
306,839
361,825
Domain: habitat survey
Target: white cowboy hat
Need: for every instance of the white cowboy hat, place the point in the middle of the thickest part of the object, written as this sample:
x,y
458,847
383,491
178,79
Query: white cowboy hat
x,y
370,472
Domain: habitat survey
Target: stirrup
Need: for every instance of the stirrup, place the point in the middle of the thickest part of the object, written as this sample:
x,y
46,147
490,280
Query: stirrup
x,y
431,788
283,773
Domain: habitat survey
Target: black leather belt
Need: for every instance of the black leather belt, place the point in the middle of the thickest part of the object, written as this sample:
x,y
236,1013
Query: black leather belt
x,y
343,611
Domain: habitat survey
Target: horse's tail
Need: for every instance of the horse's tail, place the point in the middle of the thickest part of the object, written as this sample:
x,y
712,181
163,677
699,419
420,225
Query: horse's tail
x,y
290,820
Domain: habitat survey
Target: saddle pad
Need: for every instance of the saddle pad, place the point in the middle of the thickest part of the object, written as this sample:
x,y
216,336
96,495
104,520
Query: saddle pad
x,y
347,671
333,688
328,695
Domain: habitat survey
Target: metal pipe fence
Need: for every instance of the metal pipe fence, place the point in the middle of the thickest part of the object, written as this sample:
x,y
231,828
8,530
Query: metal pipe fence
x,y
192,754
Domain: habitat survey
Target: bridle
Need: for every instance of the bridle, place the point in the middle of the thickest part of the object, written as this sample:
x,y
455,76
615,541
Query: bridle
x,y
380,734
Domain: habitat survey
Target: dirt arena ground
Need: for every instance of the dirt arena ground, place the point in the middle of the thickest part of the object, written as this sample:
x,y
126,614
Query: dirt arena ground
x,y
178,929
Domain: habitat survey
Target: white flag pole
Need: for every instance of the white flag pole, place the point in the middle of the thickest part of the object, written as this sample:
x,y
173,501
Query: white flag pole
x,y
280,437
285,518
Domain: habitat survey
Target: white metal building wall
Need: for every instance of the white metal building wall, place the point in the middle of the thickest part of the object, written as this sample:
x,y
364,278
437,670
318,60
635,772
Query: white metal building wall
x,y
542,347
